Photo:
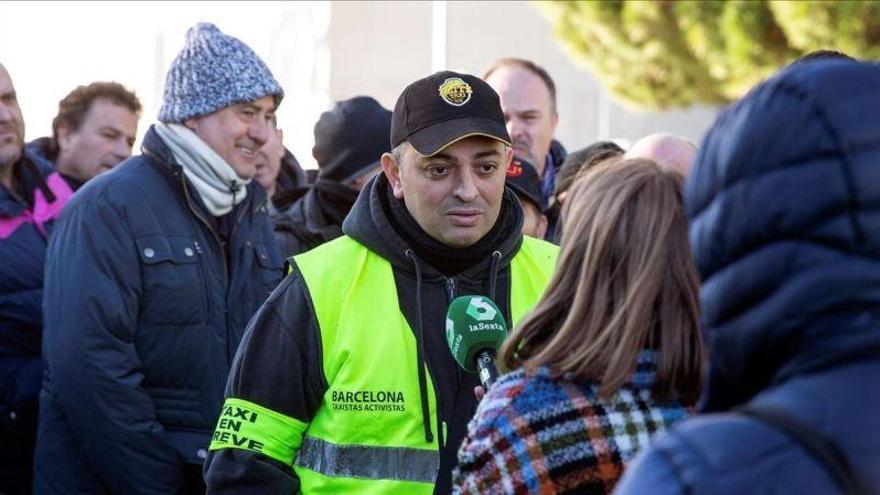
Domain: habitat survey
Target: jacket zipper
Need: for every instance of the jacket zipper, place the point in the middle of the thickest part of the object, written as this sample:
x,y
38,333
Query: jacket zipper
x,y
222,262
450,289
210,229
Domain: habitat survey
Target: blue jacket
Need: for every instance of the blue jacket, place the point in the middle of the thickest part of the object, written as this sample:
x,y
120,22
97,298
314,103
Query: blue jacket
x,y
785,209
24,228
143,314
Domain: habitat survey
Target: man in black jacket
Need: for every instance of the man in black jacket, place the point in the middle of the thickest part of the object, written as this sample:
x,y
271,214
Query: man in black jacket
x,y
151,276
349,140
344,382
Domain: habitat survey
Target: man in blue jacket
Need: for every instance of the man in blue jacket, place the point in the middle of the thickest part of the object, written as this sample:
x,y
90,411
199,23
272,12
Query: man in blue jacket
x,y
152,274
31,197
784,202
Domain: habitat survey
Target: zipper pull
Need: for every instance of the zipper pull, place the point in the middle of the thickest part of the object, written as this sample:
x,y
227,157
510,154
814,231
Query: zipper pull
x,y
450,288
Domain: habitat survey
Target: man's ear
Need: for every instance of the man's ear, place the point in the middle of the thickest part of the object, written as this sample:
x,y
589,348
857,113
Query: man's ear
x,y
64,139
542,227
392,171
190,124
508,157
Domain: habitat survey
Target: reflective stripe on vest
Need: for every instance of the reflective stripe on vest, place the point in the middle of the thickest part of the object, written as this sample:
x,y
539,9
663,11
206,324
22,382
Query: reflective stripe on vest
x,y
367,436
368,461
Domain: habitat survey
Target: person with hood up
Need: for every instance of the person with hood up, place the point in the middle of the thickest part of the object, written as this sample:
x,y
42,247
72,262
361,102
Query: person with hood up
x,y
151,276
350,139
784,204
344,382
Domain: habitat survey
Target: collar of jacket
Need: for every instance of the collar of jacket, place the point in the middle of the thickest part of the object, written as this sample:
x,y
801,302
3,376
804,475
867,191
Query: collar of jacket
x,y
368,224
29,171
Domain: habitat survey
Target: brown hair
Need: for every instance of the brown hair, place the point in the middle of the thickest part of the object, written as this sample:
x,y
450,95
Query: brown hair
x,y
625,281
529,66
73,107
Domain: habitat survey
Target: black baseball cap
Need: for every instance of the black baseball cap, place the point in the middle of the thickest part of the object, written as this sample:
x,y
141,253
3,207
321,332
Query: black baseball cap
x,y
436,111
523,179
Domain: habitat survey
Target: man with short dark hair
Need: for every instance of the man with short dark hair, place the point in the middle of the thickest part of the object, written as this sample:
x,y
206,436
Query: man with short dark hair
x,y
344,382
31,198
152,274
93,132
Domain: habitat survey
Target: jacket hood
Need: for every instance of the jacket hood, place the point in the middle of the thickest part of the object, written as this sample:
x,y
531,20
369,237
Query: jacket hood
x,y
42,148
368,224
784,203
557,153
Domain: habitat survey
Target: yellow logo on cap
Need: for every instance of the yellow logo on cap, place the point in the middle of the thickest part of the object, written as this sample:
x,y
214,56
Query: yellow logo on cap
x,y
455,91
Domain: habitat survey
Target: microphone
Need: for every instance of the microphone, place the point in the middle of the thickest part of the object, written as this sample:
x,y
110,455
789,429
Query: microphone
x,y
475,328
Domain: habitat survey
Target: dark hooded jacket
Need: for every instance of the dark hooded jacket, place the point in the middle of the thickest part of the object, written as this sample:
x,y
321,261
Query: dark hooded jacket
x,y
26,219
785,208
146,301
285,331
555,157
42,148
313,219
292,181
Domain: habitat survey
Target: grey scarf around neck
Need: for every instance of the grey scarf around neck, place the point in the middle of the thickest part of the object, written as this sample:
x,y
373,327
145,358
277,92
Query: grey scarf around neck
x,y
215,180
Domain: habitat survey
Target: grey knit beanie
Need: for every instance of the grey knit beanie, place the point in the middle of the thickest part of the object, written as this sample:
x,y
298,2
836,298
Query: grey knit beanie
x,y
213,71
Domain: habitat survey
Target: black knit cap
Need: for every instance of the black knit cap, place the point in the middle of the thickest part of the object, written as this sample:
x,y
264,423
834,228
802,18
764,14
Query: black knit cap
x,y
523,179
350,138
436,111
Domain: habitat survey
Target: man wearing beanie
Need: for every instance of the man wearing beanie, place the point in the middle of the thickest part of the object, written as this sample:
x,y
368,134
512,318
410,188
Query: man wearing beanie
x,y
349,141
344,382
152,274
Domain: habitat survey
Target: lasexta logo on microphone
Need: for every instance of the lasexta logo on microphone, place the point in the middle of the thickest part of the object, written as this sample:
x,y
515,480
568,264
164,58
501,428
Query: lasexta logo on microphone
x,y
480,310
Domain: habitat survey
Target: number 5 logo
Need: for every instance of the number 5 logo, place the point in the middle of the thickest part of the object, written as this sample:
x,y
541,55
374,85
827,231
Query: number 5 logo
x,y
480,310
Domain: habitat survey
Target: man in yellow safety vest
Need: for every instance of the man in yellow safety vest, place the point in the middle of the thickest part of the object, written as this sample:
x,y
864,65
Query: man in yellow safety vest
x,y
344,382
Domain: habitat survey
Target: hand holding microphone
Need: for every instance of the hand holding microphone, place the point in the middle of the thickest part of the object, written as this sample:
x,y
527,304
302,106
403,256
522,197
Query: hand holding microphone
x,y
475,328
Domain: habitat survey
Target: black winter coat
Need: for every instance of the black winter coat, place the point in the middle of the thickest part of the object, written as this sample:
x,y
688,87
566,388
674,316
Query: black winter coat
x,y
784,203
144,309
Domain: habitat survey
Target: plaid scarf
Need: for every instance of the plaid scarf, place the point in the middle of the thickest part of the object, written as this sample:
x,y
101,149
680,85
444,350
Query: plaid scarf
x,y
534,433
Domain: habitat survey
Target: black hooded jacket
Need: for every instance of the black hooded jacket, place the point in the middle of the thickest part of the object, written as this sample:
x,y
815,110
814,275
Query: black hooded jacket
x,y
314,218
784,205
285,331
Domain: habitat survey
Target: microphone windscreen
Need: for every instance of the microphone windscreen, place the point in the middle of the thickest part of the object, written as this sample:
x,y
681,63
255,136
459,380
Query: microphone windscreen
x,y
473,323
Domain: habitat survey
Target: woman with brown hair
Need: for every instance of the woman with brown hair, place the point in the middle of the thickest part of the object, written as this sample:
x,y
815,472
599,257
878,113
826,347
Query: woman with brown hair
x,y
610,355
